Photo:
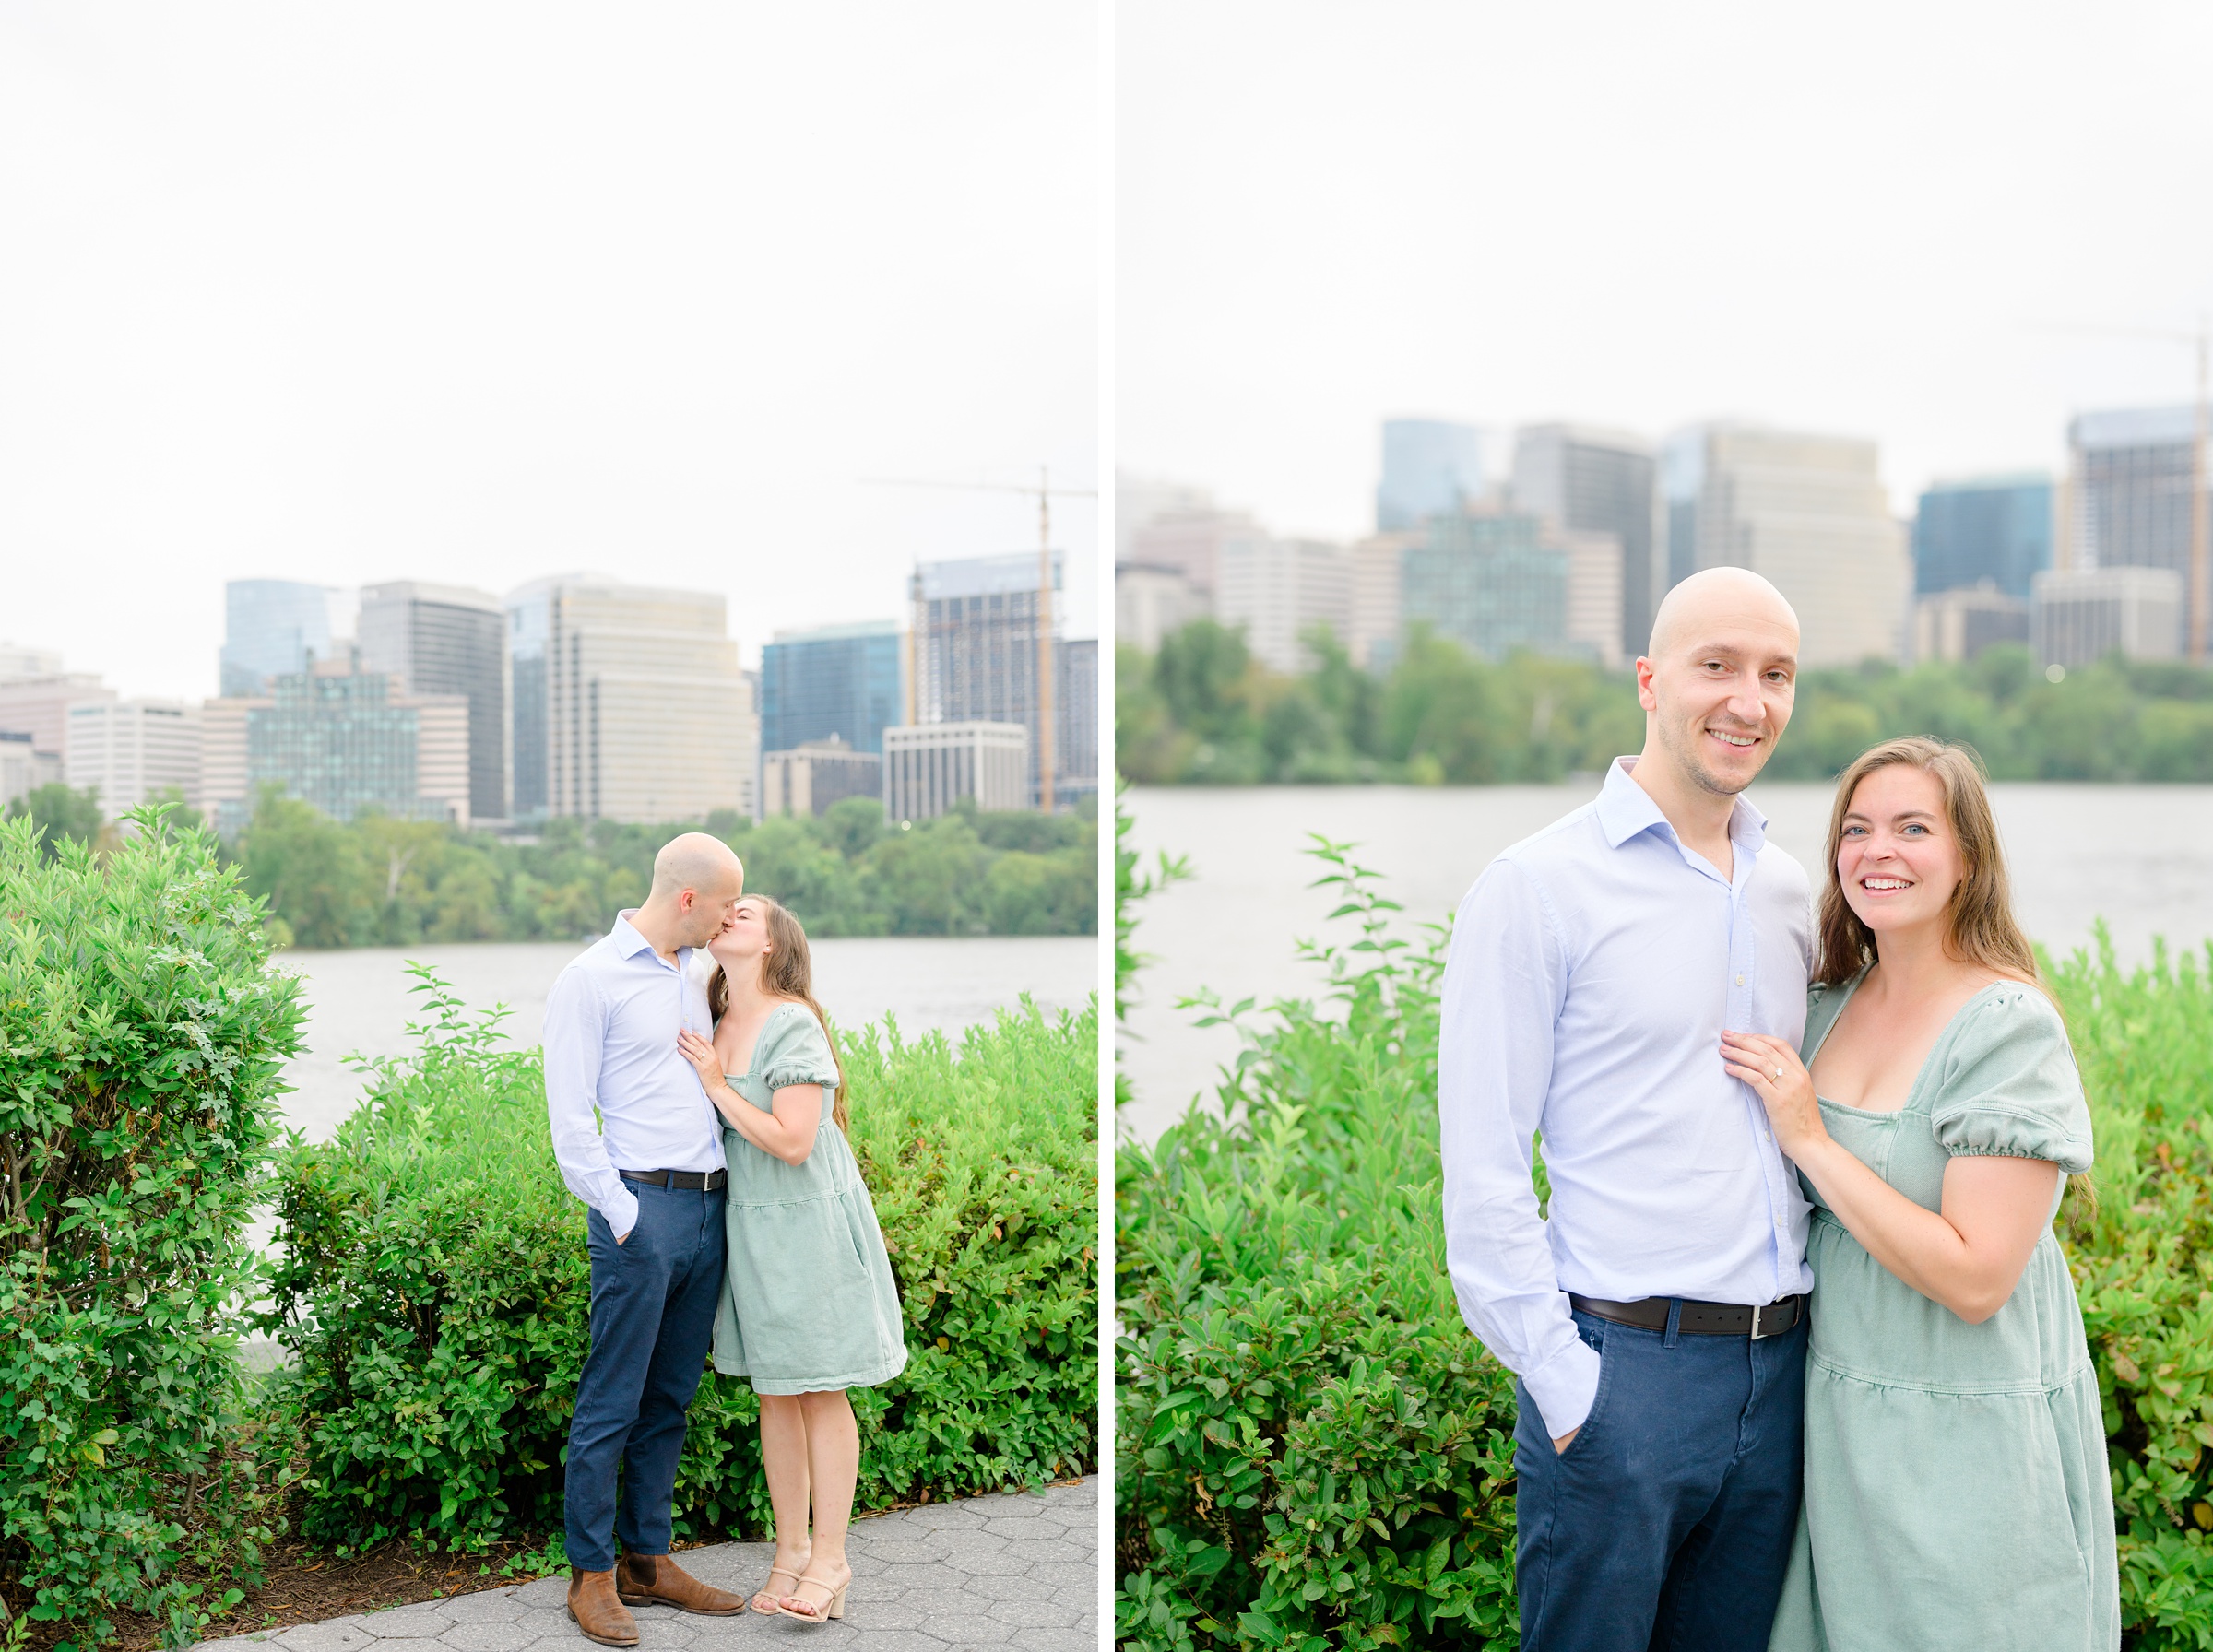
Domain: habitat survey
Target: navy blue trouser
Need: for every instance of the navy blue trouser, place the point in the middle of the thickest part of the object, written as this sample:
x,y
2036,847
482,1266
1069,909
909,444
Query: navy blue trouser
x,y
653,1319
1666,1523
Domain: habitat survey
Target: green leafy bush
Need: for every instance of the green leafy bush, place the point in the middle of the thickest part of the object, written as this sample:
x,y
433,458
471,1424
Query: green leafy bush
x,y
1312,1451
436,1292
141,1036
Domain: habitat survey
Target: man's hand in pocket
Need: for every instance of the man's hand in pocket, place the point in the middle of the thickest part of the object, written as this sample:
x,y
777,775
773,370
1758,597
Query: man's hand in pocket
x,y
1559,1444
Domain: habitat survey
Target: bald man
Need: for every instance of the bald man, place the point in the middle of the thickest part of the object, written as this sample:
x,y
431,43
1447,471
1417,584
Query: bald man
x,y
1655,1313
638,1142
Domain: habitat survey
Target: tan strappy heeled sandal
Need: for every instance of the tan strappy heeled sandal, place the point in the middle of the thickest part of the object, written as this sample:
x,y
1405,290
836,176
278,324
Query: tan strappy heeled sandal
x,y
766,1592
832,1608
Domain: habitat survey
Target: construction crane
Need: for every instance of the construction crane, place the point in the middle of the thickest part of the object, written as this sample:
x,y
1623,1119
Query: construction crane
x,y
1045,494
2201,559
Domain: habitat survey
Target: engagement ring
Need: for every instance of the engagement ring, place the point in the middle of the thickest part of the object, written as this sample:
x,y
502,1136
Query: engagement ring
x,y
1779,1073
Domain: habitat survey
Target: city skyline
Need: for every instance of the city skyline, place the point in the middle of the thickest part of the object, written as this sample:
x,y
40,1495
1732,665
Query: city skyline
x,y
551,297
1620,216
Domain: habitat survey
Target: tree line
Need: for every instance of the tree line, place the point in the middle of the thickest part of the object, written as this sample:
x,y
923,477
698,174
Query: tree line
x,y
1202,711
379,881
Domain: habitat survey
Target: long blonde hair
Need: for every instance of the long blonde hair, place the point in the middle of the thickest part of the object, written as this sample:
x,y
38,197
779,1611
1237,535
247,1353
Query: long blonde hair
x,y
787,971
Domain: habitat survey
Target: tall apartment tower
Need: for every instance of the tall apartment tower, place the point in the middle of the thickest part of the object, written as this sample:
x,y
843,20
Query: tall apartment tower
x,y
449,640
628,703
1987,531
1808,514
2130,476
1276,591
839,682
1431,467
976,650
273,628
1595,481
131,752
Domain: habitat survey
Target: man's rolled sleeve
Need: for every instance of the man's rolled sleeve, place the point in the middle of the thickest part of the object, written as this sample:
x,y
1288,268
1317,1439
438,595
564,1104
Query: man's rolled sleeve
x,y
1505,982
576,1034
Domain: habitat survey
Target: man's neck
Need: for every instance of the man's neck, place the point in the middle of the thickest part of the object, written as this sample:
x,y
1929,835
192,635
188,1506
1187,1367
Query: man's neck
x,y
657,924
1699,817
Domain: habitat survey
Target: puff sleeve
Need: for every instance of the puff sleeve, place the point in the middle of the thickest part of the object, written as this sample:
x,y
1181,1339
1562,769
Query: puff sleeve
x,y
2010,1089
801,1053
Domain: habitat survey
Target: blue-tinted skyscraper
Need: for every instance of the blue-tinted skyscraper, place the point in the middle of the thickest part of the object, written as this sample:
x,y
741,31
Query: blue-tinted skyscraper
x,y
273,628
1489,583
1430,468
840,679
1995,528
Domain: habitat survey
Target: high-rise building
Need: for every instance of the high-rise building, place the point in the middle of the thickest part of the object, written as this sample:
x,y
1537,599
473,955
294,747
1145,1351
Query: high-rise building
x,y
449,640
1491,583
976,629
1808,514
1959,625
2086,614
1431,467
1377,596
1140,501
1596,481
1151,603
628,703
275,627
38,706
2129,475
1076,715
1595,566
345,740
1277,591
131,752
1188,542
1977,529
17,660
807,781
929,768
844,682
22,768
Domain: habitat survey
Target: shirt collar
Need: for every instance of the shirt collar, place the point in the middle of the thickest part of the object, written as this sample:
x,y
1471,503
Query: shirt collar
x,y
630,943
1625,809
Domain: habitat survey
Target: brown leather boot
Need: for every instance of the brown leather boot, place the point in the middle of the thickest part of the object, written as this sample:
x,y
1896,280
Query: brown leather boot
x,y
656,1580
598,1611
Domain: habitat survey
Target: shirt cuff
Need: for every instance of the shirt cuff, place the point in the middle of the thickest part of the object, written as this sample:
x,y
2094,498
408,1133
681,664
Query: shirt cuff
x,y
1564,1386
622,1215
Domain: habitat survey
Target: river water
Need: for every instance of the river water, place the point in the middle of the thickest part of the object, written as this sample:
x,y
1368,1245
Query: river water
x,y
360,999
2140,857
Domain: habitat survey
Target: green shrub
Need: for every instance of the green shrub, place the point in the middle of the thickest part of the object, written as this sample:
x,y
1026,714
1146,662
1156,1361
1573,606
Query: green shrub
x,y
1314,1452
436,1292
141,1036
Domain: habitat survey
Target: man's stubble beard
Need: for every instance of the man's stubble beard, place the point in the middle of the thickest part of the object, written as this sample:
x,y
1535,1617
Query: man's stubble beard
x,y
1695,770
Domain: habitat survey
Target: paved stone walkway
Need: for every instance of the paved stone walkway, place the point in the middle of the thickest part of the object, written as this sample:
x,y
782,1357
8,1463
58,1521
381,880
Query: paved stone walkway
x,y
1019,1570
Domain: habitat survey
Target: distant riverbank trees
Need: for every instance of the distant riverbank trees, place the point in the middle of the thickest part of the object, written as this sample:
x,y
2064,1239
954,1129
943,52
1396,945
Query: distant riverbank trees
x,y
377,881
1202,711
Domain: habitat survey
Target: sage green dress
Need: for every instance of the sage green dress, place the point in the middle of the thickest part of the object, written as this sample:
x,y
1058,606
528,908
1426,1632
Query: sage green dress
x,y
1957,1493
807,1301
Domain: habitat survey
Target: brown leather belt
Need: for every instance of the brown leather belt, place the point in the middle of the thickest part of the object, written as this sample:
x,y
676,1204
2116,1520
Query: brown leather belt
x,y
1701,1318
684,1181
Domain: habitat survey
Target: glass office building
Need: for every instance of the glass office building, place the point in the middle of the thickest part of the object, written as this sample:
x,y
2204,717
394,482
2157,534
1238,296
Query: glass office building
x,y
449,640
344,744
1983,530
841,683
273,627
1431,467
976,648
1489,583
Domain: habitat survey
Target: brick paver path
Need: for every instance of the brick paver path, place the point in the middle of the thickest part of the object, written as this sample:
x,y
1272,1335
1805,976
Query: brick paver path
x,y
1019,1570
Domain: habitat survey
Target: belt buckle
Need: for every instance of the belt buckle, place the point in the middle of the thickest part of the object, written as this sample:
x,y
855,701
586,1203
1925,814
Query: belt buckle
x,y
1757,1333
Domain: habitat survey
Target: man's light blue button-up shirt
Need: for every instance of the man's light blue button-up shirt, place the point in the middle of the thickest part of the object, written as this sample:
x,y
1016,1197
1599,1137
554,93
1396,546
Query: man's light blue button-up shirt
x,y
611,1022
1592,969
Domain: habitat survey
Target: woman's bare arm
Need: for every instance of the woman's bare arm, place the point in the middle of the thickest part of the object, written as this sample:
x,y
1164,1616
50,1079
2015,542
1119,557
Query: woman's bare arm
x,y
788,1132
1969,1255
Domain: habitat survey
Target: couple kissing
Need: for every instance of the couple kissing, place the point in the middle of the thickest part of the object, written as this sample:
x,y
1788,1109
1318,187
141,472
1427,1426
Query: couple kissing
x,y
699,1115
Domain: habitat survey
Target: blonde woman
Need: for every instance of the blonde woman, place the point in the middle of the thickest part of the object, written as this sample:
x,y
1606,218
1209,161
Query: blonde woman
x,y
809,1307
1956,1485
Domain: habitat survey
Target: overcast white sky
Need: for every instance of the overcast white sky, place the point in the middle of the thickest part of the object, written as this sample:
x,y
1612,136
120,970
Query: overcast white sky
x,y
482,292
1837,218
